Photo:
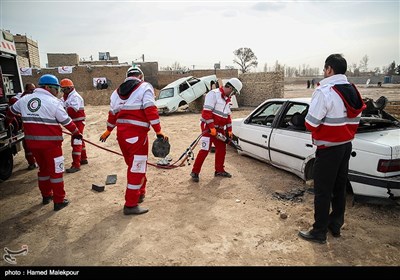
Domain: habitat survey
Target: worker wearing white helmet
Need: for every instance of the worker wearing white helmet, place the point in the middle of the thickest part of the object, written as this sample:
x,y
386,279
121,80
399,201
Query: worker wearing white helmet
x,y
133,112
216,119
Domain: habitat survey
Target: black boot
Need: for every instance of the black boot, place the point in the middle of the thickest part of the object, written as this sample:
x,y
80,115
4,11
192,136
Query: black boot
x,y
136,210
61,205
47,199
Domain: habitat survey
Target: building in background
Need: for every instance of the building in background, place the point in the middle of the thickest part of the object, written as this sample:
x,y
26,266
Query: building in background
x,y
62,59
28,51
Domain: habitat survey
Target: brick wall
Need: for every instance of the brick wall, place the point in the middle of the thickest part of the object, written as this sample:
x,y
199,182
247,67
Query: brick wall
x,y
22,61
257,87
29,49
393,108
62,59
82,76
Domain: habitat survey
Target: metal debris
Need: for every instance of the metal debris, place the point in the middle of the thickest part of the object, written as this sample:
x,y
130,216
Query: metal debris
x,y
293,195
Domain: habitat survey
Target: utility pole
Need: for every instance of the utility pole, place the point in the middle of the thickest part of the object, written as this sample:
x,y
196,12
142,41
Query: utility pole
x,y
193,66
143,57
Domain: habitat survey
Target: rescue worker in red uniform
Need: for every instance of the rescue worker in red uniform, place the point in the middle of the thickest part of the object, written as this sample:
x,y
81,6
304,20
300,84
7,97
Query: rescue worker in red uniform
x,y
29,88
216,118
133,111
75,107
333,118
42,113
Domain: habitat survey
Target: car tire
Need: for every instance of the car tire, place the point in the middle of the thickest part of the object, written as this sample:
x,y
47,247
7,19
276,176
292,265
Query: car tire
x,y
6,165
309,170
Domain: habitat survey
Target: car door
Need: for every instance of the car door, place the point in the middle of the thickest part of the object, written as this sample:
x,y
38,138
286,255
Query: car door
x,y
290,145
256,130
193,89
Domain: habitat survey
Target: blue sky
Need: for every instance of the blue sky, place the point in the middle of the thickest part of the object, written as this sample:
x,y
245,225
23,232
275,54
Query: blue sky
x,y
202,33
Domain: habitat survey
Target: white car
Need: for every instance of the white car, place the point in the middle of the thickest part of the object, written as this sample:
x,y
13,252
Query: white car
x,y
183,91
275,133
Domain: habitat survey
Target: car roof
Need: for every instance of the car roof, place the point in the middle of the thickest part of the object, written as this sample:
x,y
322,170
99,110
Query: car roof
x,y
297,99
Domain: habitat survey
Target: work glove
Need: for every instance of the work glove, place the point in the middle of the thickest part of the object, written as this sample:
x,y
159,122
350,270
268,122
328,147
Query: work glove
x,y
105,135
213,132
78,136
230,134
160,134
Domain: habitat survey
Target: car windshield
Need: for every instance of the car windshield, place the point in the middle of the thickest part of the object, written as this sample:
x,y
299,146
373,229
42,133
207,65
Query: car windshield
x,y
166,93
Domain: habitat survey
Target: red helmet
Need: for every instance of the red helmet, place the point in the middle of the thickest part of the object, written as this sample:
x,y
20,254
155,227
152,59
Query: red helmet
x,y
66,83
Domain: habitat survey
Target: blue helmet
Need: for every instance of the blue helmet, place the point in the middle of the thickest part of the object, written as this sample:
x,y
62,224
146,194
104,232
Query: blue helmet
x,y
48,79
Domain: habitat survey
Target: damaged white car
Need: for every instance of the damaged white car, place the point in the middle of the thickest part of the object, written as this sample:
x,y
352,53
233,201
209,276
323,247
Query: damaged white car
x,y
183,91
275,133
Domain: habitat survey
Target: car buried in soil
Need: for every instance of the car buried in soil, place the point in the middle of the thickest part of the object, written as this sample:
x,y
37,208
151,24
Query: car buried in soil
x,y
275,133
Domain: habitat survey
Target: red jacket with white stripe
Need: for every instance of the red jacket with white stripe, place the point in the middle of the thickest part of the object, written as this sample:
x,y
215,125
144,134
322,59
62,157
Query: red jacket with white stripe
x,y
75,106
335,111
133,105
216,110
42,114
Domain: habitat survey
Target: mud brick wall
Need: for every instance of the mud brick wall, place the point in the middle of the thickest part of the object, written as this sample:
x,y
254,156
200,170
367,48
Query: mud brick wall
x,y
257,87
82,76
393,108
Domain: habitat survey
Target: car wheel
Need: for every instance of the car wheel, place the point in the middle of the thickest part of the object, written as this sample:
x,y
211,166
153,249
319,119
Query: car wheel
x,y
309,170
6,165
349,187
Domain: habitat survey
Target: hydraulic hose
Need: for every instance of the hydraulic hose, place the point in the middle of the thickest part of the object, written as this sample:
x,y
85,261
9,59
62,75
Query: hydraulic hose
x,y
184,157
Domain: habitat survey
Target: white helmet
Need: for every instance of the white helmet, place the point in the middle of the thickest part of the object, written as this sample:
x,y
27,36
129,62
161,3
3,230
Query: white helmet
x,y
236,83
135,70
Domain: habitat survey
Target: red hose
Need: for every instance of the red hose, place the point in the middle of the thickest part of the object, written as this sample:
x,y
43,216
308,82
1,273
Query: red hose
x,y
170,166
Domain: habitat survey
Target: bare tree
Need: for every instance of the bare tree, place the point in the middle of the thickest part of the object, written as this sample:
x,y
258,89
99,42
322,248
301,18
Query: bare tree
x,y
278,67
392,68
246,59
364,63
377,71
176,66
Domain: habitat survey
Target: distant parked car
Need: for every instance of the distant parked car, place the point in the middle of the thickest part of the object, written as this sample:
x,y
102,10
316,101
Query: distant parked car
x,y
183,91
275,133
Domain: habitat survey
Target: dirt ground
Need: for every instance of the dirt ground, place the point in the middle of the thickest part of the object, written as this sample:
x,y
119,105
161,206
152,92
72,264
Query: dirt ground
x,y
216,222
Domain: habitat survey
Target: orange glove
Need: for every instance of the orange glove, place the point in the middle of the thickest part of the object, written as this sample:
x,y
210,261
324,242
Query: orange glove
x,y
105,135
162,135
213,132
230,134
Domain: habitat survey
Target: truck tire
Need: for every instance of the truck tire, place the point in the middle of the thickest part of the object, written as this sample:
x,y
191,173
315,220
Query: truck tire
x,y
6,165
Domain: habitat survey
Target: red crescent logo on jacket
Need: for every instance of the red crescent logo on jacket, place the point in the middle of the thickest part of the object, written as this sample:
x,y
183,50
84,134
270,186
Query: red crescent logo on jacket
x,y
34,104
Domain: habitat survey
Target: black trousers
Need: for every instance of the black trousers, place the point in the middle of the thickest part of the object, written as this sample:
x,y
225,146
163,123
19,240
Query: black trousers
x,y
331,169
